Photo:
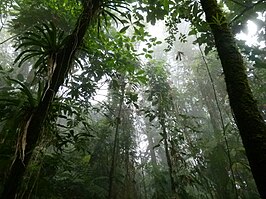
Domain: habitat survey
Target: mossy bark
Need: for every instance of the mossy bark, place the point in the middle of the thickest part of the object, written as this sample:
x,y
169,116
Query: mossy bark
x,y
63,63
250,123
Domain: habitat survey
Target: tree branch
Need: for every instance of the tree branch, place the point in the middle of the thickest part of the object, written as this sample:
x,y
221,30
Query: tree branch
x,y
238,3
245,10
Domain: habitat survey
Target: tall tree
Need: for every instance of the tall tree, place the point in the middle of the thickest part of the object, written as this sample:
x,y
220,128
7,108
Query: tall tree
x,y
35,122
76,159
247,116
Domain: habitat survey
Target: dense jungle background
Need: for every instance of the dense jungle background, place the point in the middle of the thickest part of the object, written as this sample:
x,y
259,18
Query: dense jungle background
x,y
125,99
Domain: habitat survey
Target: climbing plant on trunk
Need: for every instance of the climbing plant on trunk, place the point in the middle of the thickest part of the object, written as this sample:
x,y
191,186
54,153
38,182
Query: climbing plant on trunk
x,y
247,116
33,129
160,96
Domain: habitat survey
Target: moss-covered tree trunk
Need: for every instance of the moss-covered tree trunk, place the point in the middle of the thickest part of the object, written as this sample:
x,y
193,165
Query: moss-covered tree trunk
x,y
248,118
36,121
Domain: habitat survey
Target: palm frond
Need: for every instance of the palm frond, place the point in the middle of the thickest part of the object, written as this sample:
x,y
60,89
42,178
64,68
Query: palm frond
x,y
40,61
26,91
42,42
27,57
112,7
114,17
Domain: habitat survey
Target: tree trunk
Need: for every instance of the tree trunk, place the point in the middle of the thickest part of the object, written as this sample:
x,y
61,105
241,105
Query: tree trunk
x,y
115,152
250,123
143,180
63,63
151,144
168,156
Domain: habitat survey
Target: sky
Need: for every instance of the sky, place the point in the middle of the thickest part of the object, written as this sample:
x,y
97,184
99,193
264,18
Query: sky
x,y
250,37
159,31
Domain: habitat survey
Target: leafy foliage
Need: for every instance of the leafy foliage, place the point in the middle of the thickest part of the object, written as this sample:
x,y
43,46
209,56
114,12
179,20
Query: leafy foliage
x,y
158,119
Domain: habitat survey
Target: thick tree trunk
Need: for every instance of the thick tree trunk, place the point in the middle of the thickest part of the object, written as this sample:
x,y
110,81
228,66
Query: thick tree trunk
x,y
63,63
250,123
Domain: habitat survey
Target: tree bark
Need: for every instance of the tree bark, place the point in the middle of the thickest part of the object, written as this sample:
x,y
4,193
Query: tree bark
x,y
168,156
63,63
151,144
250,123
115,151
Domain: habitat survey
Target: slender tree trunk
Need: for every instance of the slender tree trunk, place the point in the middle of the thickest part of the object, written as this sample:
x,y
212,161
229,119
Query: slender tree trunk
x,y
208,99
63,63
250,123
168,156
151,144
112,191
143,180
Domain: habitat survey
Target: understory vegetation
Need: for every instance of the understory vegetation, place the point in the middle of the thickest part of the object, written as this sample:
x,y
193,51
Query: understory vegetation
x,y
125,99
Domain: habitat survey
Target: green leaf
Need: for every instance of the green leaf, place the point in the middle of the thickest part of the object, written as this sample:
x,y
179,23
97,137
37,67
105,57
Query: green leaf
x,y
148,56
260,64
129,17
25,90
152,117
20,77
195,9
124,29
166,5
86,159
193,31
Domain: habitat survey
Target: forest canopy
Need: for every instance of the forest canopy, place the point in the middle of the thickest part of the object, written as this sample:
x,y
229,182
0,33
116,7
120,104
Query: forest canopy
x,y
125,99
